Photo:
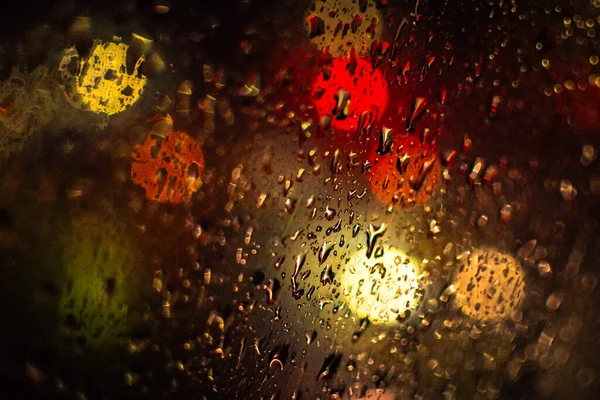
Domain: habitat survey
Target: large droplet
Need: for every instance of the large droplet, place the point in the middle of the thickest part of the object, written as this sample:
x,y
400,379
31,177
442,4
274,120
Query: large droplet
x,y
385,141
330,366
325,251
372,234
342,104
299,263
417,112
327,275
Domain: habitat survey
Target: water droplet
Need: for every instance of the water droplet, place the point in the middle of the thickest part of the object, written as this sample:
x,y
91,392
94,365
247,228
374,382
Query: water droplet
x,y
355,229
272,289
372,234
325,250
310,336
325,123
329,213
386,140
417,112
342,106
365,124
364,323
478,166
279,262
327,275
336,162
402,163
290,205
315,26
299,263
248,237
330,366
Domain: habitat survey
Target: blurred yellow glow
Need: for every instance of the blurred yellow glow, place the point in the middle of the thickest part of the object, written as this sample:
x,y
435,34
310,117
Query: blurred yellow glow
x,y
380,288
337,17
490,285
101,82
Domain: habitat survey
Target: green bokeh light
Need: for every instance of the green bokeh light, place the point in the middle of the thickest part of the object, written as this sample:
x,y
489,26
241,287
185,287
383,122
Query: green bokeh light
x,y
100,283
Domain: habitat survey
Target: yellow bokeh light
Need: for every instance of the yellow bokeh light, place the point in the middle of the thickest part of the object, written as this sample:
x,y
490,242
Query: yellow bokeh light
x,y
346,26
101,82
489,285
381,288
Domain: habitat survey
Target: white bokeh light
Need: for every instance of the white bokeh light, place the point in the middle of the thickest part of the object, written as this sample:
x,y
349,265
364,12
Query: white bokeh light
x,y
381,288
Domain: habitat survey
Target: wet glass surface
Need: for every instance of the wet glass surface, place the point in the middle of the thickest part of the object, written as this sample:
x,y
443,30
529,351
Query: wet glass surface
x,y
261,199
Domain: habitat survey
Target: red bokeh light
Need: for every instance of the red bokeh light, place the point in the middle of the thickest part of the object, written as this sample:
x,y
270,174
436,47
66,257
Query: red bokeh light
x,y
366,86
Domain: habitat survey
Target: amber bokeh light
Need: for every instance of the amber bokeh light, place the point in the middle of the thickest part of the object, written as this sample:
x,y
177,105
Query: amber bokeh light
x,y
409,175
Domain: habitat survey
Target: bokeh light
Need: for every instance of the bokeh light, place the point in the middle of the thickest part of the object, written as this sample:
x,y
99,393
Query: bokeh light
x,y
339,26
382,287
408,175
101,82
490,285
99,268
168,168
27,104
401,202
347,88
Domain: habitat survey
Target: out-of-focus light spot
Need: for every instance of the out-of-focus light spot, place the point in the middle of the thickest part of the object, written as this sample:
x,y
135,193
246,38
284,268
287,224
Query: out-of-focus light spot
x,y
347,88
381,288
26,106
409,175
490,285
169,168
80,28
558,88
577,103
100,279
341,25
101,82
546,63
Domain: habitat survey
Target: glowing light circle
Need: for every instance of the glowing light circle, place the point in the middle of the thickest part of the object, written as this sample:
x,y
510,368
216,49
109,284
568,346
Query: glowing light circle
x,y
343,26
170,168
409,175
366,87
101,83
489,284
381,288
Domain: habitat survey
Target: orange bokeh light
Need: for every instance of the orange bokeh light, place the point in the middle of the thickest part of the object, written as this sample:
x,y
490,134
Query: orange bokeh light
x,y
169,169
409,175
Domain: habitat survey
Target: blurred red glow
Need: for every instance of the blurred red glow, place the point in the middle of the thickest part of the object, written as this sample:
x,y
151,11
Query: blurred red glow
x,y
366,86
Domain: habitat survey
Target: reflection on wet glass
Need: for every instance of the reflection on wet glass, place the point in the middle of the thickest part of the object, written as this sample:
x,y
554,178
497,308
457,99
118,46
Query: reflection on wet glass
x,y
300,199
